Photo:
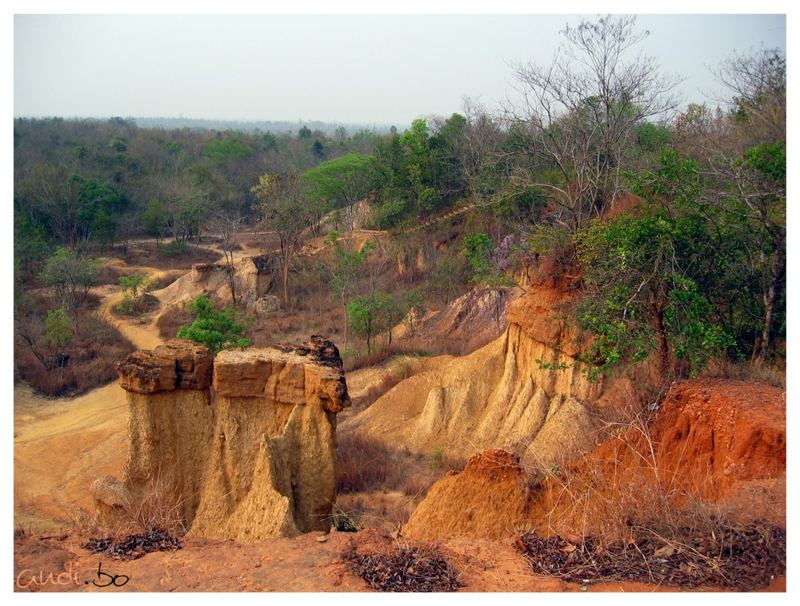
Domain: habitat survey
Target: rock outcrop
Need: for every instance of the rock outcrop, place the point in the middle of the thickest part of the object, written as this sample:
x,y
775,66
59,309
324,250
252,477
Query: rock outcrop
x,y
244,444
488,499
525,392
466,323
712,440
253,280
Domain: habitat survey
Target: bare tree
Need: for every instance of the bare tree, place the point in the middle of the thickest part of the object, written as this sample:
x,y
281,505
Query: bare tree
x,y
757,83
576,116
225,224
478,150
283,209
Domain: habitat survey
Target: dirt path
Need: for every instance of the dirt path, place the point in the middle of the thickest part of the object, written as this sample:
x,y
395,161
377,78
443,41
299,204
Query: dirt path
x,y
62,444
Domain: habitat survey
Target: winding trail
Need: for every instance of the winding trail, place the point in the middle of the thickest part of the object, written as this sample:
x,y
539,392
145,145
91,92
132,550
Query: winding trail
x,y
61,444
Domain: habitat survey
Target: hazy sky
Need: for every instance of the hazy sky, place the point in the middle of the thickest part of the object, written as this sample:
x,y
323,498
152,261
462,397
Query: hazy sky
x,y
365,69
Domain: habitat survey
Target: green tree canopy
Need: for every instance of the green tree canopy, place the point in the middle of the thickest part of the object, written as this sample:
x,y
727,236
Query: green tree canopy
x,y
339,183
370,315
216,329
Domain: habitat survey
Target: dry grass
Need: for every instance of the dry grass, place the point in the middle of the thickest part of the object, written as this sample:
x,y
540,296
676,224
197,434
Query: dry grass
x,y
156,507
147,255
108,274
380,486
625,518
296,326
171,320
745,371
612,497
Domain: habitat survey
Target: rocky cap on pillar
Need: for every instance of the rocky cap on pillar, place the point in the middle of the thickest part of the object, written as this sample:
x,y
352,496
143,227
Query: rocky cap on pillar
x,y
176,364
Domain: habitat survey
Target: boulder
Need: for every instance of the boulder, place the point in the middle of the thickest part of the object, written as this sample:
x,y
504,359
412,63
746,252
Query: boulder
x,y
146,372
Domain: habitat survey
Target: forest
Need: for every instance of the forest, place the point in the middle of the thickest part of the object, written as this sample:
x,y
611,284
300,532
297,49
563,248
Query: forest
x,y
693,271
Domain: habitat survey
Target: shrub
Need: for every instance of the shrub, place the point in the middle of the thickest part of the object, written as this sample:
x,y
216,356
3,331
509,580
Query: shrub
x,y
216,329
172,249
87,358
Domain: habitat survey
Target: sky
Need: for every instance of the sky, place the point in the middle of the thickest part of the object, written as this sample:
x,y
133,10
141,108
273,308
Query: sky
x,y
368,69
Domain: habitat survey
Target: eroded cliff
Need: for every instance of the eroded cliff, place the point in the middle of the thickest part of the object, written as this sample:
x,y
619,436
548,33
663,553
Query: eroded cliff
x,y
525,392
246,446
712,440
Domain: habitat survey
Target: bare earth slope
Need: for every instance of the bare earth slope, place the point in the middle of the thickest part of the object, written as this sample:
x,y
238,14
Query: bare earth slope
x,y
524,392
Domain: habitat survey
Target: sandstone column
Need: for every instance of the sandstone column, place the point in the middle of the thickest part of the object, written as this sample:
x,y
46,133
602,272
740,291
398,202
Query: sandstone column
x,y
170,423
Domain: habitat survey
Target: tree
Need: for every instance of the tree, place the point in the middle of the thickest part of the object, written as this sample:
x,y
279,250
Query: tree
x,y
576,117
340,183
216,329
283,209
649,277
70,276
133,284
134,287
371,315
742,155
344,270
48,348
753,160
478,151
448,277
226,223
155,219
58,332
185,205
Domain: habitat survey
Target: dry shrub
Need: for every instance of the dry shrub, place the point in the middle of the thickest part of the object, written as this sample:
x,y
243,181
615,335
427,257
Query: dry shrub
x,y
130,307
90,356
295,326
108,274
405,567
383,354
381,486
589,498
171,320
364,464
622,486
627,517
158,506
387,511
177,258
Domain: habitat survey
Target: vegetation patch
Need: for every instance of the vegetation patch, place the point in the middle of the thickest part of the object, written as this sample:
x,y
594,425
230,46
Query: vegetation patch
x,y
404,568
728,557
60,354
134,546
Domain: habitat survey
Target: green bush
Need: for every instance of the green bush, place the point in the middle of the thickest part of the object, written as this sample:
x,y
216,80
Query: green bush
x,y
216,329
